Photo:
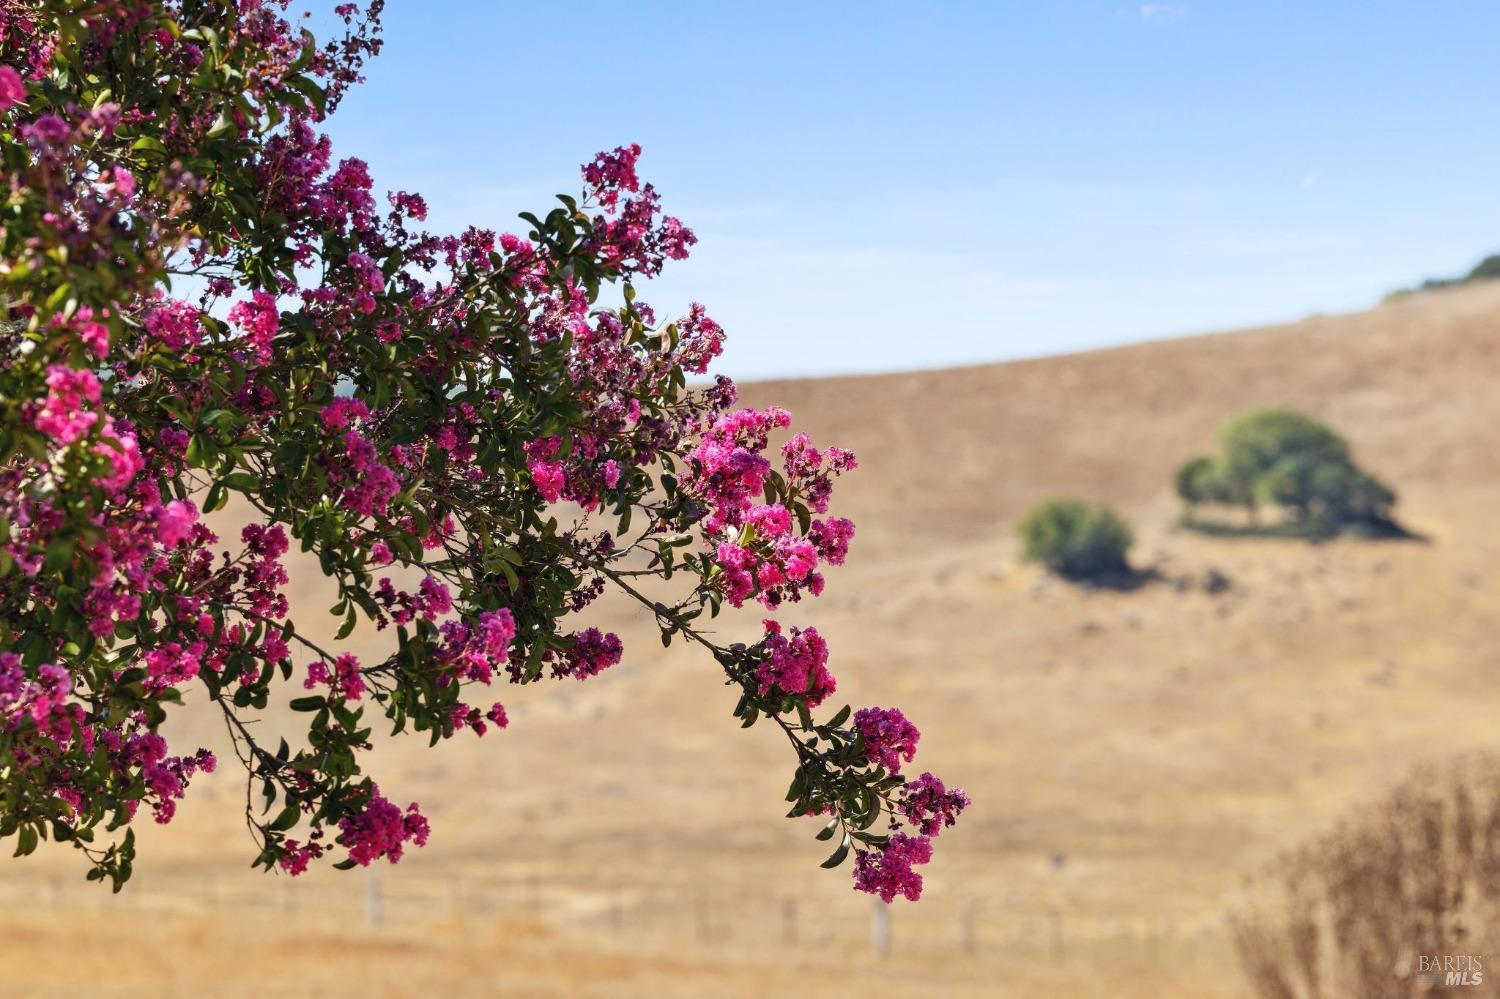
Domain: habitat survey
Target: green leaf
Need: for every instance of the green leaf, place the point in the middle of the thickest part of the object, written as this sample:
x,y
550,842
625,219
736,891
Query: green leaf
x,y
345,630
838,855
799,785
59,554
287,817
27,841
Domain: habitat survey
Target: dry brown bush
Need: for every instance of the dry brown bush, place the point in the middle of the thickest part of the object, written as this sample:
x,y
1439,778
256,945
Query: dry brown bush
x,y
1418,874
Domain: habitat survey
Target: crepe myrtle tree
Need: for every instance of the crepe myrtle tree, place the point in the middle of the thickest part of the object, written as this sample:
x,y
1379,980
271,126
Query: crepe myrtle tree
x,y
464,407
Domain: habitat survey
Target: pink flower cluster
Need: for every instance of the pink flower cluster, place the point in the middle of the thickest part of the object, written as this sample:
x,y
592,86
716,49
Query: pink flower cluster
x,y
795,665
344,199
341,413
174,522
616,361
629,235
831,537
42,722
760,553
432,600
92,334
367,281
166,777
366,484
296,856
477,652
887,872
592,653
264,575
930,806
465,716
174,324
12,88
611,173
259,319
887,736
343,677
381,829
31,45
728,469
65,416
813,471
42,703
927,805
702,339
547,474
172,664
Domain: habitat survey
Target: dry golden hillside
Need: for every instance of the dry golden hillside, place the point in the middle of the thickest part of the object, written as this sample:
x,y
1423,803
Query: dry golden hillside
x,y
1133,757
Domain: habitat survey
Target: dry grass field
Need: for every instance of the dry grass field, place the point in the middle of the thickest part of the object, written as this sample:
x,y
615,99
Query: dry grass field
x,y
1133,756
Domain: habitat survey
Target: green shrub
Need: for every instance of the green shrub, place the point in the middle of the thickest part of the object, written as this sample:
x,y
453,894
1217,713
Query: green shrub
x,y
1333,489
1200,480
1271,445
1076,539
1349,497
1288,460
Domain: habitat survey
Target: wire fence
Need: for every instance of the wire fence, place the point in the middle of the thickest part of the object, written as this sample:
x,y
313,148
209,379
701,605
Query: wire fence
x,y
744,919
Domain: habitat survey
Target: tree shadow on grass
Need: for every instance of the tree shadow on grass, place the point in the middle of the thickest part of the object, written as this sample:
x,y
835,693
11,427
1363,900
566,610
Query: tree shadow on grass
x,y
1124,580
1379,529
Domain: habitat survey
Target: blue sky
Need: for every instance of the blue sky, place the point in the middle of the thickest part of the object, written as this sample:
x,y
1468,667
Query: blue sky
x,y
882,186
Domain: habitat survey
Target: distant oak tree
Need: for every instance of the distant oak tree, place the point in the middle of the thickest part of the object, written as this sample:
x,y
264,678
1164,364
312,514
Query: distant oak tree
x,y
1287,460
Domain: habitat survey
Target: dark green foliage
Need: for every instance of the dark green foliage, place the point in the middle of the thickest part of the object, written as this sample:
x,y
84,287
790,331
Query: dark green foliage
x,y
1273,443
1198,480
1486,270
1290,461
1076,539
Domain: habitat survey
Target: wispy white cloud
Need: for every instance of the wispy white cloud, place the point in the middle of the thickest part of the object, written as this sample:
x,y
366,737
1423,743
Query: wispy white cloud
x,y
1158,13
1309,179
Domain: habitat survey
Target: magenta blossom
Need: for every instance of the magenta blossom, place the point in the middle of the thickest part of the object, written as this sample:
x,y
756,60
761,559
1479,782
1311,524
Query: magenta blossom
x,y
930,806
175,522
381,829
887,870
888,737
12,88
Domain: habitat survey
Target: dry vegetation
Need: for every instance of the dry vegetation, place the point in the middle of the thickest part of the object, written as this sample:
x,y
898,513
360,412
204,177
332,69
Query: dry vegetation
x,y
1134,756
1404,888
